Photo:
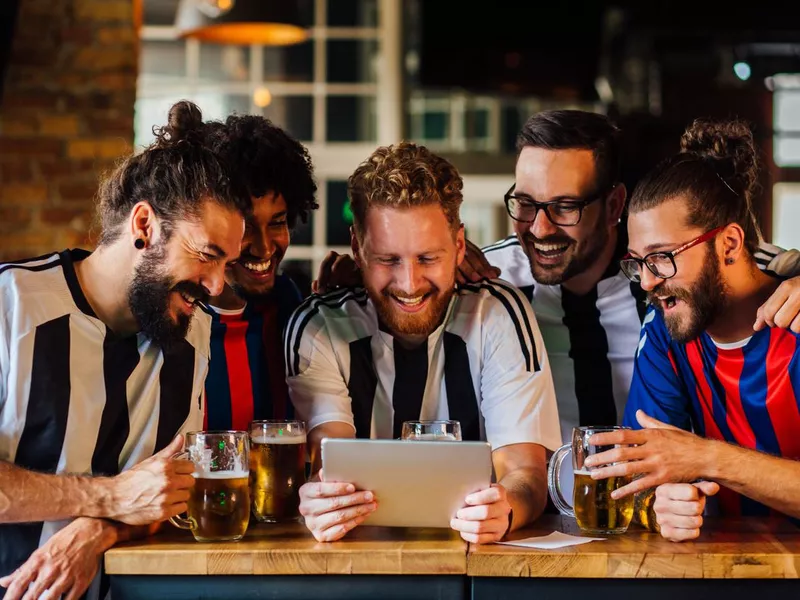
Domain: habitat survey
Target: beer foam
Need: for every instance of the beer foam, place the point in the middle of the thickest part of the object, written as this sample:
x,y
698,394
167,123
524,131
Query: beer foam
x,y
433,437
279,439
220,474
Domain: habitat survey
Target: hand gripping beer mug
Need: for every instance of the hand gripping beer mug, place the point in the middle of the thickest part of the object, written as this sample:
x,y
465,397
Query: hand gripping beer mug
x,y
437,431
277,469
219,502
593,507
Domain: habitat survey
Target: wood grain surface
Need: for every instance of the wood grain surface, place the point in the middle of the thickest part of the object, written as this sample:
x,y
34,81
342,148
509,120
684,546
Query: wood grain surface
x,y
289,549
738,549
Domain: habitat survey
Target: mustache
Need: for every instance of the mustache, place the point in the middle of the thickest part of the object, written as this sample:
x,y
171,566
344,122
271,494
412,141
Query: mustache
x,y
666,290
529,238
193,289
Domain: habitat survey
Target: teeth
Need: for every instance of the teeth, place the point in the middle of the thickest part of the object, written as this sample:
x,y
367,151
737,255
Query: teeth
x,y
188,298
410,301
258,267
550,247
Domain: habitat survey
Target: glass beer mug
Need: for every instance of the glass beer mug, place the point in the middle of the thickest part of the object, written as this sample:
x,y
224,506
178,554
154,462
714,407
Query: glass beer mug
x,y
277,469
592,507
219,502
437,431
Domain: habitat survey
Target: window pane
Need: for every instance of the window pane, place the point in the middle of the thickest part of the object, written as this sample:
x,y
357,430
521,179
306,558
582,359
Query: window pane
x,y
224,63
435,125
289,63
787,110
351,119
163,58
476,123
786,215
352,61
340,217
303,233
295,114
353,13
787,150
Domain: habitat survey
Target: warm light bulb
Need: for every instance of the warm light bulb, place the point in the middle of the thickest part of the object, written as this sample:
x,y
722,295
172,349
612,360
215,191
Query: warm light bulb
x,y
262,97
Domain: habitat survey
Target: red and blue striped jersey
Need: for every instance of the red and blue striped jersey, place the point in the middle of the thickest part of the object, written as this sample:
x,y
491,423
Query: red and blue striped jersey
x,y
247,374
746,394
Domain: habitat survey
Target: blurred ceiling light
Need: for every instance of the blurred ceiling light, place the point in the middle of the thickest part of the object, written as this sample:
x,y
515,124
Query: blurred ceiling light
x,y
262,97
742,70
268,22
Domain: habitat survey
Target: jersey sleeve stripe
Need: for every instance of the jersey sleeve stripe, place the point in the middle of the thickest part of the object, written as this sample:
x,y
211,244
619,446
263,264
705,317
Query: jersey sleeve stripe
x,y
300,310
506,243
520,300
525,345
359,296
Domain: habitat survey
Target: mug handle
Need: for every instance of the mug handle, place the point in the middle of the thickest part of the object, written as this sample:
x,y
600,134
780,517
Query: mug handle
x,y
554,480
178,521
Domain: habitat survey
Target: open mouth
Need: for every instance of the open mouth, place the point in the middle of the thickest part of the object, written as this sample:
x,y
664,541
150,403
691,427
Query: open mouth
x,y
258,269
668,302
189,301
549,252
411,303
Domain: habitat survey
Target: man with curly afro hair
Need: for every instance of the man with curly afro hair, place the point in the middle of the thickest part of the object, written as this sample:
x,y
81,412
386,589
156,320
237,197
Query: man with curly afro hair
x,y
246,379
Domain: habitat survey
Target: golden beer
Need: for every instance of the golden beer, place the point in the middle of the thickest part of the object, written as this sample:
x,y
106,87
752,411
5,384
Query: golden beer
x,y
277,470
595,510
643,512
219,505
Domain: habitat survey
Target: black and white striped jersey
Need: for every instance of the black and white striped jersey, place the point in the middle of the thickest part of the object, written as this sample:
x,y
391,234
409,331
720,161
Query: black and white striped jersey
x,y
591,339
484,366
76,398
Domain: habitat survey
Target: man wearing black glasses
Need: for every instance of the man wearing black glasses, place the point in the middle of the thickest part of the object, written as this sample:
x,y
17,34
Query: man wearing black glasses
x,y
566,205
700,366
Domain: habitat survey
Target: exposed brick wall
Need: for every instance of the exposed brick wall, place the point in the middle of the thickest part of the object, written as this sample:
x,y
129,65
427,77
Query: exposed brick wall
x,y
66,116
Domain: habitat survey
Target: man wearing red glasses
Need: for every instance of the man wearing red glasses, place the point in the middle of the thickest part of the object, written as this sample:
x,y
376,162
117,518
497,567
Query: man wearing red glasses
x,y
700,365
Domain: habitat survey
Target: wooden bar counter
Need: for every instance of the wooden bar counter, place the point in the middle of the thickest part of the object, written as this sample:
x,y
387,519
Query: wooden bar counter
x,y
733,559
285,561
742,558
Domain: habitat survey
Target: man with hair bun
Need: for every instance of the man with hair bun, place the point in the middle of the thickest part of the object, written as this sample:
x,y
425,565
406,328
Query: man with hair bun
x,y
411,345
700,366
102,361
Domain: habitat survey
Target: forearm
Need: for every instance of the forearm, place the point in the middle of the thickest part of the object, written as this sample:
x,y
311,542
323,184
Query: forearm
x,y
526,490
27,496
768,479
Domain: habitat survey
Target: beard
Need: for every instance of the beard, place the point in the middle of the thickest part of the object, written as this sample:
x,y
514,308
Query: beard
x,y
577,258
421,323
149,300
705,300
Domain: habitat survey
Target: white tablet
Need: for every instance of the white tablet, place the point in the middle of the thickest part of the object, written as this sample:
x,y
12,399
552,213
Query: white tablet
x,y
416,483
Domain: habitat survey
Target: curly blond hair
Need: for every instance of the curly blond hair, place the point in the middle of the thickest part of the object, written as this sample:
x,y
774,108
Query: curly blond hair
x,y
401,176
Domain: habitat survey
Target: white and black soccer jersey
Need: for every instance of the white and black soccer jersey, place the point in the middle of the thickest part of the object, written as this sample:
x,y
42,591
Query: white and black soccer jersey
x,y
484,366
76,398
591,339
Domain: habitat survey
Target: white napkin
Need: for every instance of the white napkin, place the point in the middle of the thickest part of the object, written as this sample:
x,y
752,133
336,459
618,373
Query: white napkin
x,y
552,541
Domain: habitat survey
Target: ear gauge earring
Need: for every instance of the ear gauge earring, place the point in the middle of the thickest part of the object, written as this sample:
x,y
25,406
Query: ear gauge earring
x,y
728,261
139,244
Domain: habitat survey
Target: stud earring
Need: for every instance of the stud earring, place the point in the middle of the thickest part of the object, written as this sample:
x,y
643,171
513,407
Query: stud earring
x,y
139,244
728,261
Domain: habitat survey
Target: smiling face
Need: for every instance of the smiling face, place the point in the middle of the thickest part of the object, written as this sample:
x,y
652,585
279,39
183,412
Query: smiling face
x,y
696,295
172,276
266,239
558,253
408,257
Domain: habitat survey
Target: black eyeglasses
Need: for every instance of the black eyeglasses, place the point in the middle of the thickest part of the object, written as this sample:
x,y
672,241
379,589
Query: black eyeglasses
x,y
660,264
560,212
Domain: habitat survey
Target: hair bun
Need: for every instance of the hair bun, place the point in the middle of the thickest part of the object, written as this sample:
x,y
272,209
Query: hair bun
x,y
184,122
730,147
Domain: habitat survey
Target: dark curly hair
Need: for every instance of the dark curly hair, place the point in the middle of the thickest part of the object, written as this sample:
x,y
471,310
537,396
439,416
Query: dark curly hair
x,y
717,170
176,174
266,159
